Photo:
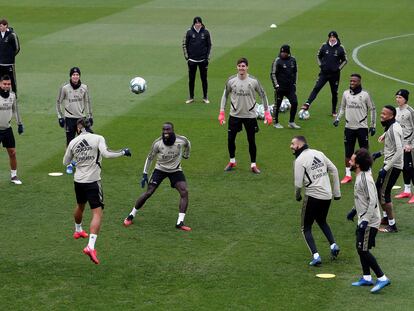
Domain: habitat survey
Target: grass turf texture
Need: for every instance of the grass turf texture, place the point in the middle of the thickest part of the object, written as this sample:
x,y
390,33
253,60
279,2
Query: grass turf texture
x,y
245,251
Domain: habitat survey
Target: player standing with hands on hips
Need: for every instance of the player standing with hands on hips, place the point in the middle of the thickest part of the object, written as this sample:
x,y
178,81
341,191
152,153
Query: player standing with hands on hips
x,y
8,108
242,89
87,149
369,218
74,96
168,150
311,170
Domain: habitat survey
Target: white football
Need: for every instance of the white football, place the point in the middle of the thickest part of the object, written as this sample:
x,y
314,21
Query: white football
x,y
304,114
285,105
138,85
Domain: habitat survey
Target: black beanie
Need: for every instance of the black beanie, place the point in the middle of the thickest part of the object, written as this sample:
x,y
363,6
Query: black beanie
x,y
404,93
333,33
197,19
73,70
285,48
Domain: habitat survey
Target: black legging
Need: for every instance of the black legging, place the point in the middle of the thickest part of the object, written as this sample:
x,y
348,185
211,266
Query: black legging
x,y
315,210
251,138
192,69
369,261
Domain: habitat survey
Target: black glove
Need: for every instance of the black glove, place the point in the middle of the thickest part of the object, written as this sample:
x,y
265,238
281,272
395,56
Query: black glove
x,y
91,121
351,214
20,129
382,173
372,131
335,123
126,152
61,122
363,225
299,197
376,155
144,180
337,198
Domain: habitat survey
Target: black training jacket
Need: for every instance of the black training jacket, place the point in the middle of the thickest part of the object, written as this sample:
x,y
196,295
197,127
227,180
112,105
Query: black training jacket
x,y
197,45
332,59
9,47
284,72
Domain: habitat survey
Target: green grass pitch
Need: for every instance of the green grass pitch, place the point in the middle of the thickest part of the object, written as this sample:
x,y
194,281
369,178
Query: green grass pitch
x,y
246,250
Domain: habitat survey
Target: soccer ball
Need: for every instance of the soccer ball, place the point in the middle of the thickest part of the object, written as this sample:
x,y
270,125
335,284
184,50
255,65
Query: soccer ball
x,y
138,85
304,114
285,105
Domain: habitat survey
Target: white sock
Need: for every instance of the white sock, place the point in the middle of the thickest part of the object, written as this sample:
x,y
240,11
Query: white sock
x,y
232,160
181,217
367,277
253,164
78,227
13,173
92,240
391,222
133,212
407,188
384,213
348,171
383,278
333,245
316,255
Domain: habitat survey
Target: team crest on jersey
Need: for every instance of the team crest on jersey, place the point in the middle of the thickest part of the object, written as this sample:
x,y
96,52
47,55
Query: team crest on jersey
x,y
193,36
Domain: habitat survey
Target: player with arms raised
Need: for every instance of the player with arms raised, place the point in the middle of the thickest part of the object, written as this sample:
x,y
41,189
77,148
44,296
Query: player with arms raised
x,y
87,150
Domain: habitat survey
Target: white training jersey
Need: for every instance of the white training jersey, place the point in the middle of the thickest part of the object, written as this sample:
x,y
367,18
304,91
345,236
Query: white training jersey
x,y
356,108
76,102
168,157
366,200
405,116
312,170
87,150
393,147
8,108
243,96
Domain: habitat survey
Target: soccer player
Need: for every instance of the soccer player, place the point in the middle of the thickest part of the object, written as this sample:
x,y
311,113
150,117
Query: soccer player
x,y
87,149
311,169
405,116
356,104
74,96
393,164
331,59
242,89
168,150
369,218
196,48
284,76
8,109
9,48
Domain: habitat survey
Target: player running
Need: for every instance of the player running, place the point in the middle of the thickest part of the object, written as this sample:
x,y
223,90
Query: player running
x,y
168,150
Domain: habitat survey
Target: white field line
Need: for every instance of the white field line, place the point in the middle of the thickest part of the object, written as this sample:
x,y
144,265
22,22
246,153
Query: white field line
x,y
359,63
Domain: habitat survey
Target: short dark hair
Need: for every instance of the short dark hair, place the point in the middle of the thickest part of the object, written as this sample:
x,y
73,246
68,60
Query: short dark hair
x,y
392,109
85,123
364,159
356,75
301,138
4,22
243,60
5,77
169,123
